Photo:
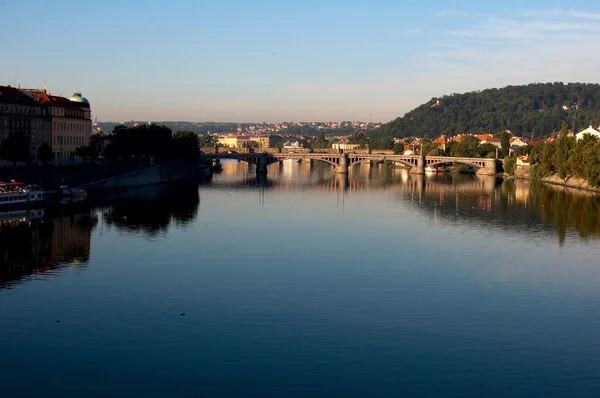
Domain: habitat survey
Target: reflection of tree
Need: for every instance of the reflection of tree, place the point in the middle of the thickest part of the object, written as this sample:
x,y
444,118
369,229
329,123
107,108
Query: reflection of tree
x,y
517,206
45,245
151,211
567,210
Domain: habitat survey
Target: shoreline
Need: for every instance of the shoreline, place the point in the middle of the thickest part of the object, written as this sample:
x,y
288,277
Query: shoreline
x,y
572,183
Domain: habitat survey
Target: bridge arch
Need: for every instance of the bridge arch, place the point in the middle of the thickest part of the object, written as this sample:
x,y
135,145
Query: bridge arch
x,y
248,159
383,159
281,159
450,161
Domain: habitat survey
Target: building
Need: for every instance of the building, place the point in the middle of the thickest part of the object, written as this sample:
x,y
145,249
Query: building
x,y
71,121
345,145
292,145
268,141
441,141
22,114
489,139
522,161
590,130
517,142
235,141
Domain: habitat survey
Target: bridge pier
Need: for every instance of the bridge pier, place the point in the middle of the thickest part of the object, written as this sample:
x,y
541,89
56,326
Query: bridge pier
x,y
420,167
262,164
342,168
489,169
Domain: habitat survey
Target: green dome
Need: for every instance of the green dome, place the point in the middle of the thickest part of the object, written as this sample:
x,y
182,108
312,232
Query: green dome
x,y
77,97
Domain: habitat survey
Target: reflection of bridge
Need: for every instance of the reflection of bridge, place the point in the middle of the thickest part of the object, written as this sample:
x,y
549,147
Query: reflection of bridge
x,y
340,182
342,161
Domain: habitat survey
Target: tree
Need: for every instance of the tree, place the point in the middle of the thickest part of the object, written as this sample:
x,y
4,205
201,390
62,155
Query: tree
x,y
15,149
45,154
186,146
505,140
87,152
467,147
560,157
206,141
509,164
487,150
527,109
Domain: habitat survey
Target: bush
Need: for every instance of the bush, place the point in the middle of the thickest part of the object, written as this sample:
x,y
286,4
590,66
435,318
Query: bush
x,y
509,164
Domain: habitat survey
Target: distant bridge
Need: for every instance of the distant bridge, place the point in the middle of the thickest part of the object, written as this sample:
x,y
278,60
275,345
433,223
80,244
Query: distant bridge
x,y
342,161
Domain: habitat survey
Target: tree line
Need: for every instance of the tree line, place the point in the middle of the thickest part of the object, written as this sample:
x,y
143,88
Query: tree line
x,y
533,110
567,157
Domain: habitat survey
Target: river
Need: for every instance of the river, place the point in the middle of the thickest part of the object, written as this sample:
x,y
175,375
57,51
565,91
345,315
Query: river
x,y
306,284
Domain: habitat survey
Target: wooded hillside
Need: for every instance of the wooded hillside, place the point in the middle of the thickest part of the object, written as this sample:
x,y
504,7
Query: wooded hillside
x,y
534,110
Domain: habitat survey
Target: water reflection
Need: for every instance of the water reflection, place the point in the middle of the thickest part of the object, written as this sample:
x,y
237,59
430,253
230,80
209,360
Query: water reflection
x,y
43,244
151,211
452,198
38,243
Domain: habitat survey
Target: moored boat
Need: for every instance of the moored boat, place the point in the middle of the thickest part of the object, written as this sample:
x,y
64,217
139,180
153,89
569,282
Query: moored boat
x,y
19,194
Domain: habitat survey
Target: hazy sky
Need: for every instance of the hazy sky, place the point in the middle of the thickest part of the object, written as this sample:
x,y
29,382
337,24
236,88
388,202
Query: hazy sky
x,y
250,60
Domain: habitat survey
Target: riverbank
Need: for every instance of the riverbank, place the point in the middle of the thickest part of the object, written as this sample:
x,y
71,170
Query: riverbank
x,y
569,182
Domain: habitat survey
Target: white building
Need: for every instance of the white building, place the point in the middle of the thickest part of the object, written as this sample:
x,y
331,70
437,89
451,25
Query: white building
x,y
344,145
292,145
590,130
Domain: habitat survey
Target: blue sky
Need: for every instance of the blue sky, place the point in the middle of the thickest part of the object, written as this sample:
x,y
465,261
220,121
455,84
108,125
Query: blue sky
x,y
275,60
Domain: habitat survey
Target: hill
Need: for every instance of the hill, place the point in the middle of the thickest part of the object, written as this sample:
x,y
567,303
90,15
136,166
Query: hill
x,y
534,110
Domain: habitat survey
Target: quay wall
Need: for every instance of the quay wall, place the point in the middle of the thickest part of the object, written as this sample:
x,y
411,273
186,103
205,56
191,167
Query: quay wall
x,y
153,175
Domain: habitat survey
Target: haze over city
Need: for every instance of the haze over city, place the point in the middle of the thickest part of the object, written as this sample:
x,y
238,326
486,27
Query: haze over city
x,y
307,60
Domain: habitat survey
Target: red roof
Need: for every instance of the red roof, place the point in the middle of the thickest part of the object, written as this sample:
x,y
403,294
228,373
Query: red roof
x,y
15,96
47,99
11,184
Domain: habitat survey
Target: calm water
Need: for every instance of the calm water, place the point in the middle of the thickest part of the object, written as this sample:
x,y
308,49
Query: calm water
x,y
307,284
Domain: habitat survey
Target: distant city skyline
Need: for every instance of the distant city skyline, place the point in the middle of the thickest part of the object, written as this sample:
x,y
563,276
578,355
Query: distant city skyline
x,y
254,61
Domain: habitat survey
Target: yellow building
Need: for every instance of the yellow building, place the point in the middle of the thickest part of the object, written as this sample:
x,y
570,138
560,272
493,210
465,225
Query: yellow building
x,y
268,141
235,141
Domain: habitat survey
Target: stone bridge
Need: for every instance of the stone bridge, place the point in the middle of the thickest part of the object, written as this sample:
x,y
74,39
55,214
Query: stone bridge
x,y
342,161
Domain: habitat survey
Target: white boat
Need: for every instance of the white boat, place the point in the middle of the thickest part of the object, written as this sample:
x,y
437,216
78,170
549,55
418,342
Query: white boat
x,y
18,194
429,169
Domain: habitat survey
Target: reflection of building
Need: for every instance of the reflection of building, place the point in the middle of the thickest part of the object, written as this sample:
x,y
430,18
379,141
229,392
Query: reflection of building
x,y
70,239
33,247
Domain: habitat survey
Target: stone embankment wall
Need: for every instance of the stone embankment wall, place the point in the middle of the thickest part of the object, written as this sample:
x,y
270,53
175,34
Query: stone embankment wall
x,y
159,174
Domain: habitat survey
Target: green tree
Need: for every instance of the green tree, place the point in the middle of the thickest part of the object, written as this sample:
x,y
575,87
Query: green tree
x,y
509,164
206,140
487,150
505,140
87,152
468,147
524,150
546,158
186,146
45,154
560,157
15,149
